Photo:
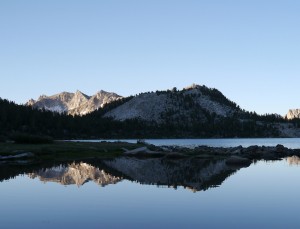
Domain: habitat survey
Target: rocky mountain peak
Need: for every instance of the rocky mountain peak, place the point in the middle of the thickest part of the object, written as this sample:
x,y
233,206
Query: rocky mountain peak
x,y
78,99
42,97
193,86
79,93
30,102
76,103
293,113
64,97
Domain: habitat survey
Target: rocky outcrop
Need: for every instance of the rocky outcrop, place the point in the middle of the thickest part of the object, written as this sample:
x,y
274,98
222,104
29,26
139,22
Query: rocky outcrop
x,y
76,103
293,113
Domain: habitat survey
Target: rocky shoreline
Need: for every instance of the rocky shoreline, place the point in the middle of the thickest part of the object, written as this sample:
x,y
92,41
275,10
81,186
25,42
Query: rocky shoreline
x,y
234,155
241,156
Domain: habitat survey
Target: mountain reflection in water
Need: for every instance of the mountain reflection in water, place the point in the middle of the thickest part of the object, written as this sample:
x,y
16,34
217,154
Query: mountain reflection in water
x,y
263,195
294,160
194,174
75,173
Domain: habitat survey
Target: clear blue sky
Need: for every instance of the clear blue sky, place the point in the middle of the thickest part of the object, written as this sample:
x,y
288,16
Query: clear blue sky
x,y
249,50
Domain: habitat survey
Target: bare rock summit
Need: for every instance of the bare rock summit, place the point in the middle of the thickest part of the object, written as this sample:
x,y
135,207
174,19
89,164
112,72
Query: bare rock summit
x,y
293,113
76,103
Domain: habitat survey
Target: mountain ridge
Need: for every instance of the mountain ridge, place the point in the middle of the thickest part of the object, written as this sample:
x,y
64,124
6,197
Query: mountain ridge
x,y
76,103
195,111
194,102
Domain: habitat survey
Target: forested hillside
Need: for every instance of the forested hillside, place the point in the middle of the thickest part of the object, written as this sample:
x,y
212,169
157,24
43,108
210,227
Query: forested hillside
x,y
16,119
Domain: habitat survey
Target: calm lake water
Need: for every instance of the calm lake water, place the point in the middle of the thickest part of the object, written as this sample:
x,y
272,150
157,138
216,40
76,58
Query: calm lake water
x,y
151,193
293,143
154,193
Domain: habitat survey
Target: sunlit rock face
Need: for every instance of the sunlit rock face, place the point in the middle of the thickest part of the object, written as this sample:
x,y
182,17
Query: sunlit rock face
x,y
293,113
194,174
77,174
193,101
76,103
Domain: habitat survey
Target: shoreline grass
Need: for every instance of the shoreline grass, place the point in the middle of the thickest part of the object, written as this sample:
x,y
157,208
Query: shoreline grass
x,y
68,150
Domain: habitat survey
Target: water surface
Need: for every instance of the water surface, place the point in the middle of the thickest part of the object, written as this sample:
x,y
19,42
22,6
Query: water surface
x,y
147,193
293,143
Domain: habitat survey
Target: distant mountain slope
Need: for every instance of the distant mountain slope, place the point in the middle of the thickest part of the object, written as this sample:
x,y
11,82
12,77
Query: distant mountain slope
x,y
293,113
76,103
195,102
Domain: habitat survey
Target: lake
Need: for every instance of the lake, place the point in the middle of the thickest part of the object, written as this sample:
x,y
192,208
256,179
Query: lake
x,y
293,143
129,192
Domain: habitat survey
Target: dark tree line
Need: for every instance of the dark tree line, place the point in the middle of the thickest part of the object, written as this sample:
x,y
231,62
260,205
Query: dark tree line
x,y
195,122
